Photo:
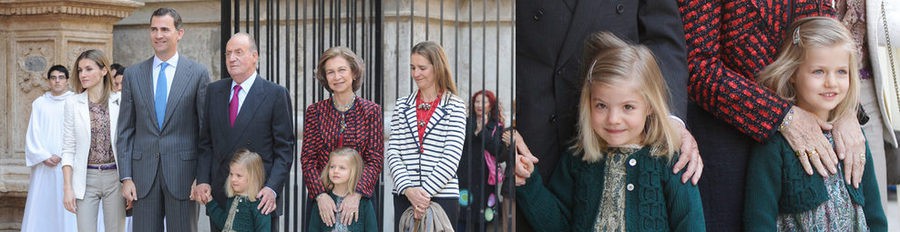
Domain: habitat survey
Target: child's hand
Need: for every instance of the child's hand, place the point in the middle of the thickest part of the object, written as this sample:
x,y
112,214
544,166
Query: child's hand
x,y
326,209
350,209
201,193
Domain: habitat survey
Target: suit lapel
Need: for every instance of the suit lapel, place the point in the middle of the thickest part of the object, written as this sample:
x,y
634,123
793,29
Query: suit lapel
x,y
113,106
255,98
411,121
84,112
180,82
218,110
145,88
582,21
437,116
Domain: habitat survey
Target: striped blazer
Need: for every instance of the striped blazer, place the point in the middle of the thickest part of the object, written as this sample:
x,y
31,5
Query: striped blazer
x,y
434,168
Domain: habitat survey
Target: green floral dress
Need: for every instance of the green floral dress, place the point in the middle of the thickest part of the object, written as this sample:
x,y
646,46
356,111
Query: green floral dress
x,y
612,208
839,213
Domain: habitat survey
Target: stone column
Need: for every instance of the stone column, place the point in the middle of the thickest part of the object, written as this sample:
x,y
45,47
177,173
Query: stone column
x,y
34,35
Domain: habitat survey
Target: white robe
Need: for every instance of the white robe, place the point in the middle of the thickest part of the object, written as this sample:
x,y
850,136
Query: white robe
x,y
44,210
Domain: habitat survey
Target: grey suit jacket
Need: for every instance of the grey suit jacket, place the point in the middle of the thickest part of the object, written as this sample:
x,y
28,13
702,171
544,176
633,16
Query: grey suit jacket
x,y
264,124
144,149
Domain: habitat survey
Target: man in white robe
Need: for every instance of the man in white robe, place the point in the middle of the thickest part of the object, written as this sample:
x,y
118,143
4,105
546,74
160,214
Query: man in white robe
x,y
43,208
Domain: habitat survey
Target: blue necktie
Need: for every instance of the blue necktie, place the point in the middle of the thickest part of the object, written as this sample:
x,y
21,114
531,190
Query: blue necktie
x,y
160,96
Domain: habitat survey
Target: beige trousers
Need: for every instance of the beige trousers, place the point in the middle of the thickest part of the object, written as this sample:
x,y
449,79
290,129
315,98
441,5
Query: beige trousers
x,y
103,189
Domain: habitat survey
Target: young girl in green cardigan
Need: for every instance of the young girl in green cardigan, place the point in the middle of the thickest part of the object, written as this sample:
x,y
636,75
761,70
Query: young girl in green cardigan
x,y
617,176
339,177
817,69
240,212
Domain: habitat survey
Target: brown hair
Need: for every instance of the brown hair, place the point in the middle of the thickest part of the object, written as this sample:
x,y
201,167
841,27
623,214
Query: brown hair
x,y
170,12
435,54
357,66
103,63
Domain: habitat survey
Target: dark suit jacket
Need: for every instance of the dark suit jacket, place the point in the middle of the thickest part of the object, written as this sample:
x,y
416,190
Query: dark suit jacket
x,y
144,148
265,125
550,40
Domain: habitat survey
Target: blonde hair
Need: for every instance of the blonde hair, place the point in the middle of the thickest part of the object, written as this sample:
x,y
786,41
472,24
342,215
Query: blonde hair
x,y
355,170
102,62
357,66
613,62
810,33
256,176
435,54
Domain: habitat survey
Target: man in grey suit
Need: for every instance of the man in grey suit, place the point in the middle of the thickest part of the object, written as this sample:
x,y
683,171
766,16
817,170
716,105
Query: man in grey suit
x,y
159,130
246,111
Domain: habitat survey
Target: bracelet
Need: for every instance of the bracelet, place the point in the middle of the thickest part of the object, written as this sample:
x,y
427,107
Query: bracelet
x,y
787,120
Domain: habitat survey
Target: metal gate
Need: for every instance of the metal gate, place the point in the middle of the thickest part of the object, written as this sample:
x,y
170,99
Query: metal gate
x,y
477,35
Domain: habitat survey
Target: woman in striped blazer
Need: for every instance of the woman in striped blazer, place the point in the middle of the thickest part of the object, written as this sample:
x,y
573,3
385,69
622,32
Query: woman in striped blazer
x,y
427,136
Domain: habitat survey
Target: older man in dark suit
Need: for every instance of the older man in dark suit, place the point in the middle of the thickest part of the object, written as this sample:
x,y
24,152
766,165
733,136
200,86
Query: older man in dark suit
x,y
159,120
246,111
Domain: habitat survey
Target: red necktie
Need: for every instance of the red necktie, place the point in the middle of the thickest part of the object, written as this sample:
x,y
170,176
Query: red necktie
x,y
234,105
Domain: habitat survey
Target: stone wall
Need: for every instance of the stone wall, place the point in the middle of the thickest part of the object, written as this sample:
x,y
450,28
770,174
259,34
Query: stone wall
x,y
35,35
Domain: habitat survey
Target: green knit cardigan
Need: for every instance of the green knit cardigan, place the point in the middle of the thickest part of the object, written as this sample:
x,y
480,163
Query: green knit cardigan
x,y
777,184
658,201
247,217
367,220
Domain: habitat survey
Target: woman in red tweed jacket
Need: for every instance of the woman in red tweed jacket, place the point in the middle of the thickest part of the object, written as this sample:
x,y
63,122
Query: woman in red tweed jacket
x,y
344,120
729,42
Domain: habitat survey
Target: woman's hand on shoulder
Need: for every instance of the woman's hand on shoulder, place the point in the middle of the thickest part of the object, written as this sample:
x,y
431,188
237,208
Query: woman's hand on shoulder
x,y
850,144
803,131
326,209
350,208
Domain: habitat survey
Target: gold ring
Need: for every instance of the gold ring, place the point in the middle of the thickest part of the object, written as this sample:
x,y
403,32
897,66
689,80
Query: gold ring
x,y
812,152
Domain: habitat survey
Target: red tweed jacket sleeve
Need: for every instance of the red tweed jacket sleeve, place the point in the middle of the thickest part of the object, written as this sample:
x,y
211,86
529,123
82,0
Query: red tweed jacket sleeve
x,y
728,43
313,157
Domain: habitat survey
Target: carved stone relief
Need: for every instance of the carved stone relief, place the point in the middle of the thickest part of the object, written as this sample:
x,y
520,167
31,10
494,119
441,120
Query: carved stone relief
x,y
33,57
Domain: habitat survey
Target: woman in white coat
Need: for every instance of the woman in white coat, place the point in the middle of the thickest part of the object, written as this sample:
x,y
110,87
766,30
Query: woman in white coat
x,y
43,147
89,157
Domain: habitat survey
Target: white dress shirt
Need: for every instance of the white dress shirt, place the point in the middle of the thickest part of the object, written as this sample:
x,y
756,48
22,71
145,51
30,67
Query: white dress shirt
x,y
245,88
170,71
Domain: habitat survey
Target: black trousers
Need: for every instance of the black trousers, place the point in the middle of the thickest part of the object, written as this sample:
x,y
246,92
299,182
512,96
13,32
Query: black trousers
x,y
450,205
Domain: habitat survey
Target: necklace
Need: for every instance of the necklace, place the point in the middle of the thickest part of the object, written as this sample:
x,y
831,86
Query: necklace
x,y
426,105
346,107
